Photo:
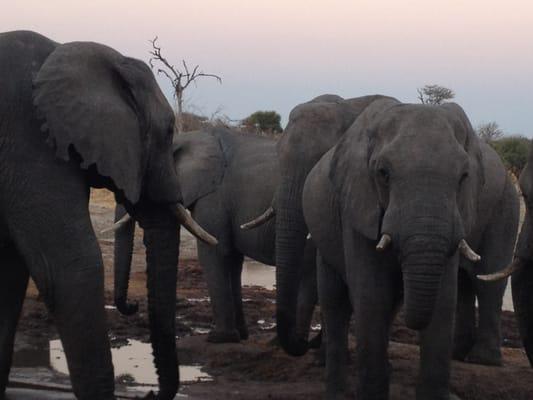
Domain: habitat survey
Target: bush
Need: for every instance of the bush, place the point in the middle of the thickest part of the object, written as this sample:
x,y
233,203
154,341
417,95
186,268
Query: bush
x,y
264,122
514,151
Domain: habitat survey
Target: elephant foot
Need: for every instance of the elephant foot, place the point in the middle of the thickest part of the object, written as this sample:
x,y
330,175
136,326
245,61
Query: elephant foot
x,y
224,337
461,348
484,355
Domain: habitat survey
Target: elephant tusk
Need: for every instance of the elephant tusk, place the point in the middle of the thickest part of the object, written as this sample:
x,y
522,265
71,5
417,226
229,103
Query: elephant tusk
x,y
192,226
467,251
384,242
266,216
117,225
504,273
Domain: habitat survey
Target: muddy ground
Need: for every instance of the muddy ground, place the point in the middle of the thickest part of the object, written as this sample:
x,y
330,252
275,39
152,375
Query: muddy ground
x,y
256,369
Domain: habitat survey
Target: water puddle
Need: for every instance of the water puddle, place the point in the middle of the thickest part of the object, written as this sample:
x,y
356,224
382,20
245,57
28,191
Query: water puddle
x,y
257,274
133,364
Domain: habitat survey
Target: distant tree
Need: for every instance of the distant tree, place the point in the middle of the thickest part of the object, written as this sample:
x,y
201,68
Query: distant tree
x,y
434,94
264,121
489,131
179,78
514,151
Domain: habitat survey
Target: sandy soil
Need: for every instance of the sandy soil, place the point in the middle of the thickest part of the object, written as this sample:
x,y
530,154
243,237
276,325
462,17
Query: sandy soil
x,y
258,369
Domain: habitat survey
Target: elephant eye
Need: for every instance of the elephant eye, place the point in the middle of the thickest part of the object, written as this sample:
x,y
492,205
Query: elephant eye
x,y
463,177
384,175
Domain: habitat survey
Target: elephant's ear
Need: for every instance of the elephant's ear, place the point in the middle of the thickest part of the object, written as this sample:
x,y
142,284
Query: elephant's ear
x,y
200,164
350,172
88,95
472,187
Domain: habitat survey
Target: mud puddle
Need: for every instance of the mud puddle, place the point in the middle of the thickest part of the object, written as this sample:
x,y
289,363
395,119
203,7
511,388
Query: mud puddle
x,y
257,274
133,364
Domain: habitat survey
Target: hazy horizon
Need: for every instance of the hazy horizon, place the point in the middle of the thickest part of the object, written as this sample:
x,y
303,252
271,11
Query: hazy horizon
x,y
272,56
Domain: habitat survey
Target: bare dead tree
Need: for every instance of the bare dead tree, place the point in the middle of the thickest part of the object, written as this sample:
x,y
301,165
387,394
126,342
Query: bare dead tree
x,y
489,131
179,77
434,94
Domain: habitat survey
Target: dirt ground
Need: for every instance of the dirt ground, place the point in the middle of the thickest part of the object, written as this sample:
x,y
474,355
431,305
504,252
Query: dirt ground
x,y
257,369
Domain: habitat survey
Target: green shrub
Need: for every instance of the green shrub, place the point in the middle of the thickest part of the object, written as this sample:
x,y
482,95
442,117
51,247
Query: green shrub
x,y
514,151
264,121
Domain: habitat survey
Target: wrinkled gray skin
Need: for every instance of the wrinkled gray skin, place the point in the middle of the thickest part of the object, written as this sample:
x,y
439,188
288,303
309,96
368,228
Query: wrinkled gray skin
x,y
420,174
226,179
73,116
314,128
522,280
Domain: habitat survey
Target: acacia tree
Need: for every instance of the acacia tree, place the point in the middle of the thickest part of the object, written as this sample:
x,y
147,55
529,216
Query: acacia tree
x,y
179,77
434,94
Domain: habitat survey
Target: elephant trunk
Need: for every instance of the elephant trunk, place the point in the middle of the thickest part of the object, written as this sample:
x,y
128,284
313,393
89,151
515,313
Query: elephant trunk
x,y
122,260
162,251
423,267
425,244
291,235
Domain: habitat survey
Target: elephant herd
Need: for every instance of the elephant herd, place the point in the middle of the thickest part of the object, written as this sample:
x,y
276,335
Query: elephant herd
x,y
363,205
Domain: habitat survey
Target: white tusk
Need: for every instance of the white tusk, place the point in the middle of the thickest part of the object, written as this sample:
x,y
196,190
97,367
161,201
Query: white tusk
x,y
384,242
192,226
117,225
266,216
308,236
504,273
467,252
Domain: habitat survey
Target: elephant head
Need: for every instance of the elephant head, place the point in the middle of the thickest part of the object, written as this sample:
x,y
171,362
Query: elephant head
x,y
106,112
200,163
410,174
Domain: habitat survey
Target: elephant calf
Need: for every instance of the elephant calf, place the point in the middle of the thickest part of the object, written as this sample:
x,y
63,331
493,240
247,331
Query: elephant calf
x,y
391,208
226,179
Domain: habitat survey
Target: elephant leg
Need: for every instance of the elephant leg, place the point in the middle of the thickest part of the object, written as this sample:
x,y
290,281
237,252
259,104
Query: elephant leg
x,y
465,320
63,257
496,252
236,288
217,265
12,291
375,299
336,311
487,348
437,339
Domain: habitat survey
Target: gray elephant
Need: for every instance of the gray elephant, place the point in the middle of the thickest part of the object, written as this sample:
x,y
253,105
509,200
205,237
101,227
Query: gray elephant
x,y
73,116
522,266
314,127
417,177
226,178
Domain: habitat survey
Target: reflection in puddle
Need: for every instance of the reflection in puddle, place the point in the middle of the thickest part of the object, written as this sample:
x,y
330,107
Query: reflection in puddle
x,y
263,325
199,300
133,363
257,274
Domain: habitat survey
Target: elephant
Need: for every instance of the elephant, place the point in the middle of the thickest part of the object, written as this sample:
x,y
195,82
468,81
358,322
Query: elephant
x,y
74,116
521,267
225,178
391,208
313,128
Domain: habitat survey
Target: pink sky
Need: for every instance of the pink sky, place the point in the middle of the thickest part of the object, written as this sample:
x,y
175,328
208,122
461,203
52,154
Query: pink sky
x,y
275,54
